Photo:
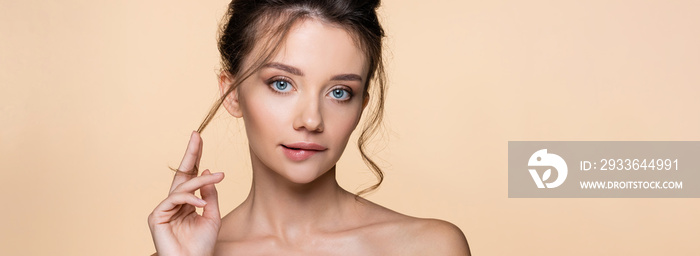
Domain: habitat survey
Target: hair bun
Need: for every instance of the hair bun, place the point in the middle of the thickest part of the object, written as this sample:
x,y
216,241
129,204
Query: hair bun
x,y
369,4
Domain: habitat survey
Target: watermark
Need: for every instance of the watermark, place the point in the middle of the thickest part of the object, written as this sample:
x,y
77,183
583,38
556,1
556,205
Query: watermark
x,y
613,169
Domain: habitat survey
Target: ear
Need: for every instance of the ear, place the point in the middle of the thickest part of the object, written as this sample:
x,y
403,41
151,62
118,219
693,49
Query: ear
x,y
231,102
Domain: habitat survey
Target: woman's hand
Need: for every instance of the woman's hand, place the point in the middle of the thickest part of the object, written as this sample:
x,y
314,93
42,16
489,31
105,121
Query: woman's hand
x,y
176,227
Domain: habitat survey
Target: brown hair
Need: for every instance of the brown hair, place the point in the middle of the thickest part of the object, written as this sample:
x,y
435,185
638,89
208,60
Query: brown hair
x,y
249,20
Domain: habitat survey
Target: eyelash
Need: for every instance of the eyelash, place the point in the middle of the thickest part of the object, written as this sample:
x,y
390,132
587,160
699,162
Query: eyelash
x,y
270,83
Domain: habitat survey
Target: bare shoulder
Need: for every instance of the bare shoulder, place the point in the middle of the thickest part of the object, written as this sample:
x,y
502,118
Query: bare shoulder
x,y
419,236
438,237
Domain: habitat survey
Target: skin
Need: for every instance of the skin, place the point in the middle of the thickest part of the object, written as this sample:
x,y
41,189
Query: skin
x,y
295,207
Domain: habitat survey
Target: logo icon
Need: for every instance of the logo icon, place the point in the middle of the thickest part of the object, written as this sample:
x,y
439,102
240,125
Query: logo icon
x,y
542,158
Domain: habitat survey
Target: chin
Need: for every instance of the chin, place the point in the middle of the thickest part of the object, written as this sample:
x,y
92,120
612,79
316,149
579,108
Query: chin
x,y
302,175
296,172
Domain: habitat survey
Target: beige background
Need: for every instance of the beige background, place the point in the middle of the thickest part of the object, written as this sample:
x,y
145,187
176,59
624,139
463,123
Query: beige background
x,y
97,98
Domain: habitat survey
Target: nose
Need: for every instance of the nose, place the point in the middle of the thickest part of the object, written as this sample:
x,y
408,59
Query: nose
x,y
309,115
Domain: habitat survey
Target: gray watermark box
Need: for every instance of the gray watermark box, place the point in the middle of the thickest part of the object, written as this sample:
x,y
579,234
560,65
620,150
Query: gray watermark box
x,y
604,169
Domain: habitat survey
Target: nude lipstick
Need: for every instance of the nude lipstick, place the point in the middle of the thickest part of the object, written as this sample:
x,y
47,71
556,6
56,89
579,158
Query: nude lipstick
x,y
301,151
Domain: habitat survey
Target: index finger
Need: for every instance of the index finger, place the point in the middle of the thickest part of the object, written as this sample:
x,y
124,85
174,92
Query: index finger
x,y
190,161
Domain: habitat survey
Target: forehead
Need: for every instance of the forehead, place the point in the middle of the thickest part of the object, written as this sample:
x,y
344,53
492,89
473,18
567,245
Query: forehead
x,y
319,48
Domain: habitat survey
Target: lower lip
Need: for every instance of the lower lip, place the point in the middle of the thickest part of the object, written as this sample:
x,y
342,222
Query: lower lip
x,y
298,154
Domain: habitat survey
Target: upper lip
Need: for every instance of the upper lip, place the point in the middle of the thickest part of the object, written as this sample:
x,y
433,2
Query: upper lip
x,y
305,146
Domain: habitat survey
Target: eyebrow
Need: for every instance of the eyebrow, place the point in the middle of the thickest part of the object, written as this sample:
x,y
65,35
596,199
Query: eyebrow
x,y
296,71
347,77
285,68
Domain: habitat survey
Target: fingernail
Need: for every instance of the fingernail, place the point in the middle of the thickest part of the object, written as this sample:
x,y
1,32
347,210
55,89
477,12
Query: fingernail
x,y
219,174
202,201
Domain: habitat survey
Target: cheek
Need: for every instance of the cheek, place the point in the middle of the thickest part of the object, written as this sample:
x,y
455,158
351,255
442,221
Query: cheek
x,y
263,117
340,121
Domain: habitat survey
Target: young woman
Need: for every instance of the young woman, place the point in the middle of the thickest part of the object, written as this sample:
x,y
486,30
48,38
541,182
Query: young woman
x,y
300,74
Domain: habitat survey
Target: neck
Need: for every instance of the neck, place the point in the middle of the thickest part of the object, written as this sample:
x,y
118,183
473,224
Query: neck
x,y
279,207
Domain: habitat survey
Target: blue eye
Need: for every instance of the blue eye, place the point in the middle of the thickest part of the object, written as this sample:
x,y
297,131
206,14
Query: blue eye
x,y
340,94
281,85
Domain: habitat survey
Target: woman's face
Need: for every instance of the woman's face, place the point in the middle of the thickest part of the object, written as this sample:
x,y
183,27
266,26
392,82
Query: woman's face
x,y
300,109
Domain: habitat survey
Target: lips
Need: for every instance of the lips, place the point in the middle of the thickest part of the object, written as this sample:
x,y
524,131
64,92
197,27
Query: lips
x,y
301,151
304,146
